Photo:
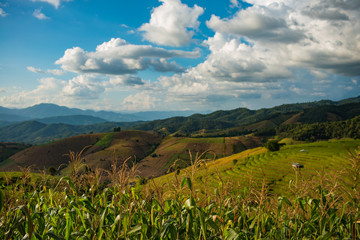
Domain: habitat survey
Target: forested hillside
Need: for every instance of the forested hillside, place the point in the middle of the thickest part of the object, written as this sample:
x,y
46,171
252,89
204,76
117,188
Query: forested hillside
x,y
243,121
321,131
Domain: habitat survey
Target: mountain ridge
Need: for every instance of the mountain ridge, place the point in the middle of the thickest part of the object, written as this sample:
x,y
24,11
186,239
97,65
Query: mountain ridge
x,y
47,110
310,112
240,121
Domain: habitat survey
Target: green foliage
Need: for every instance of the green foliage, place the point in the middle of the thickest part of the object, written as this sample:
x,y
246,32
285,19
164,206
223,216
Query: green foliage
x,y
117,129
239,121
267,132
112,214
106,140
327,130
52,171
273,145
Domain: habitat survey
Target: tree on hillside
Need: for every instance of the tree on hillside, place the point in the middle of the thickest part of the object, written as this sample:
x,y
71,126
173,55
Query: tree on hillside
x,y
273,145
117,129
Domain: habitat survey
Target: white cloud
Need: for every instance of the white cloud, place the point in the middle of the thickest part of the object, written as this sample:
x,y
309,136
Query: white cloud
x,y
319,74
84,87
34,70
170,23
3,13
126,80
232,60
268,53
55,3
48,90
163,65
140,102
300,34
257,23
234,3
57,72
272,52
39,15
119,57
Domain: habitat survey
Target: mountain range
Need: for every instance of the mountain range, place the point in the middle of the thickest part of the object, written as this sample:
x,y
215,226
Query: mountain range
x,y
45,126
242,120
51,113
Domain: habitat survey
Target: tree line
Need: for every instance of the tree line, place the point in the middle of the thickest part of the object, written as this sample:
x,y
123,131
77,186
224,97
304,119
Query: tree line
x,y
325,130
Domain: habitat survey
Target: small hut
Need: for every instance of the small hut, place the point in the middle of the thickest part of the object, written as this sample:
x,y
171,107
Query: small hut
x,y
297,165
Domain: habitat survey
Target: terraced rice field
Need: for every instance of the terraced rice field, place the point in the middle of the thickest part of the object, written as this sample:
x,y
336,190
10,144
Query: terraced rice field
x,y
275,168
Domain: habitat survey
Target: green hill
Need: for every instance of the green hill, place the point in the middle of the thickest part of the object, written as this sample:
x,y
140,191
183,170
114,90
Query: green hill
x,y
242,120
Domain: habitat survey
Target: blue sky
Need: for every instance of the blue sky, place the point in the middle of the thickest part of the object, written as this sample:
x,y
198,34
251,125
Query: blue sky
x,y
177,54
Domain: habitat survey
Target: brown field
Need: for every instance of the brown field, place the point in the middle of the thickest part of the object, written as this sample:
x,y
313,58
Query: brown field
x,y
153,154
173,148
124,144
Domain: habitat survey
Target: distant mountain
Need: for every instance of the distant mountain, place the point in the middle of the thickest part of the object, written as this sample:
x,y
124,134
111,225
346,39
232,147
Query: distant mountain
x,y
4,117
48,110
233,122
155,115
72,120
35,132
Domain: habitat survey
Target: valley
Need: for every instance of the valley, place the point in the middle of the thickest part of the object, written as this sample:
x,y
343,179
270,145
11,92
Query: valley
x,y
204,175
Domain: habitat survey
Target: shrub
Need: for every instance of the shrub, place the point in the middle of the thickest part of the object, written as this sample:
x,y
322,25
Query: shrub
x,y
52,171
273,145
117,129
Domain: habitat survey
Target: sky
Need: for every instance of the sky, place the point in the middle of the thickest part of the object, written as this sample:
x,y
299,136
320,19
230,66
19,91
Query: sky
x,y
156,55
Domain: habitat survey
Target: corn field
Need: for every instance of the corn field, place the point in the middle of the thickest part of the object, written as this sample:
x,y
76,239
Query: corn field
x,y
80,207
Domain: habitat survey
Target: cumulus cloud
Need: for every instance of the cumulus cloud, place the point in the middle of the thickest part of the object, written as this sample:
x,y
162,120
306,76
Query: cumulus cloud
x,y
163,65
170,23
232,60
299,34
126,80
119,57
55,3
265,43
39,15
140,101
84,87
256,23
48,90
271,52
